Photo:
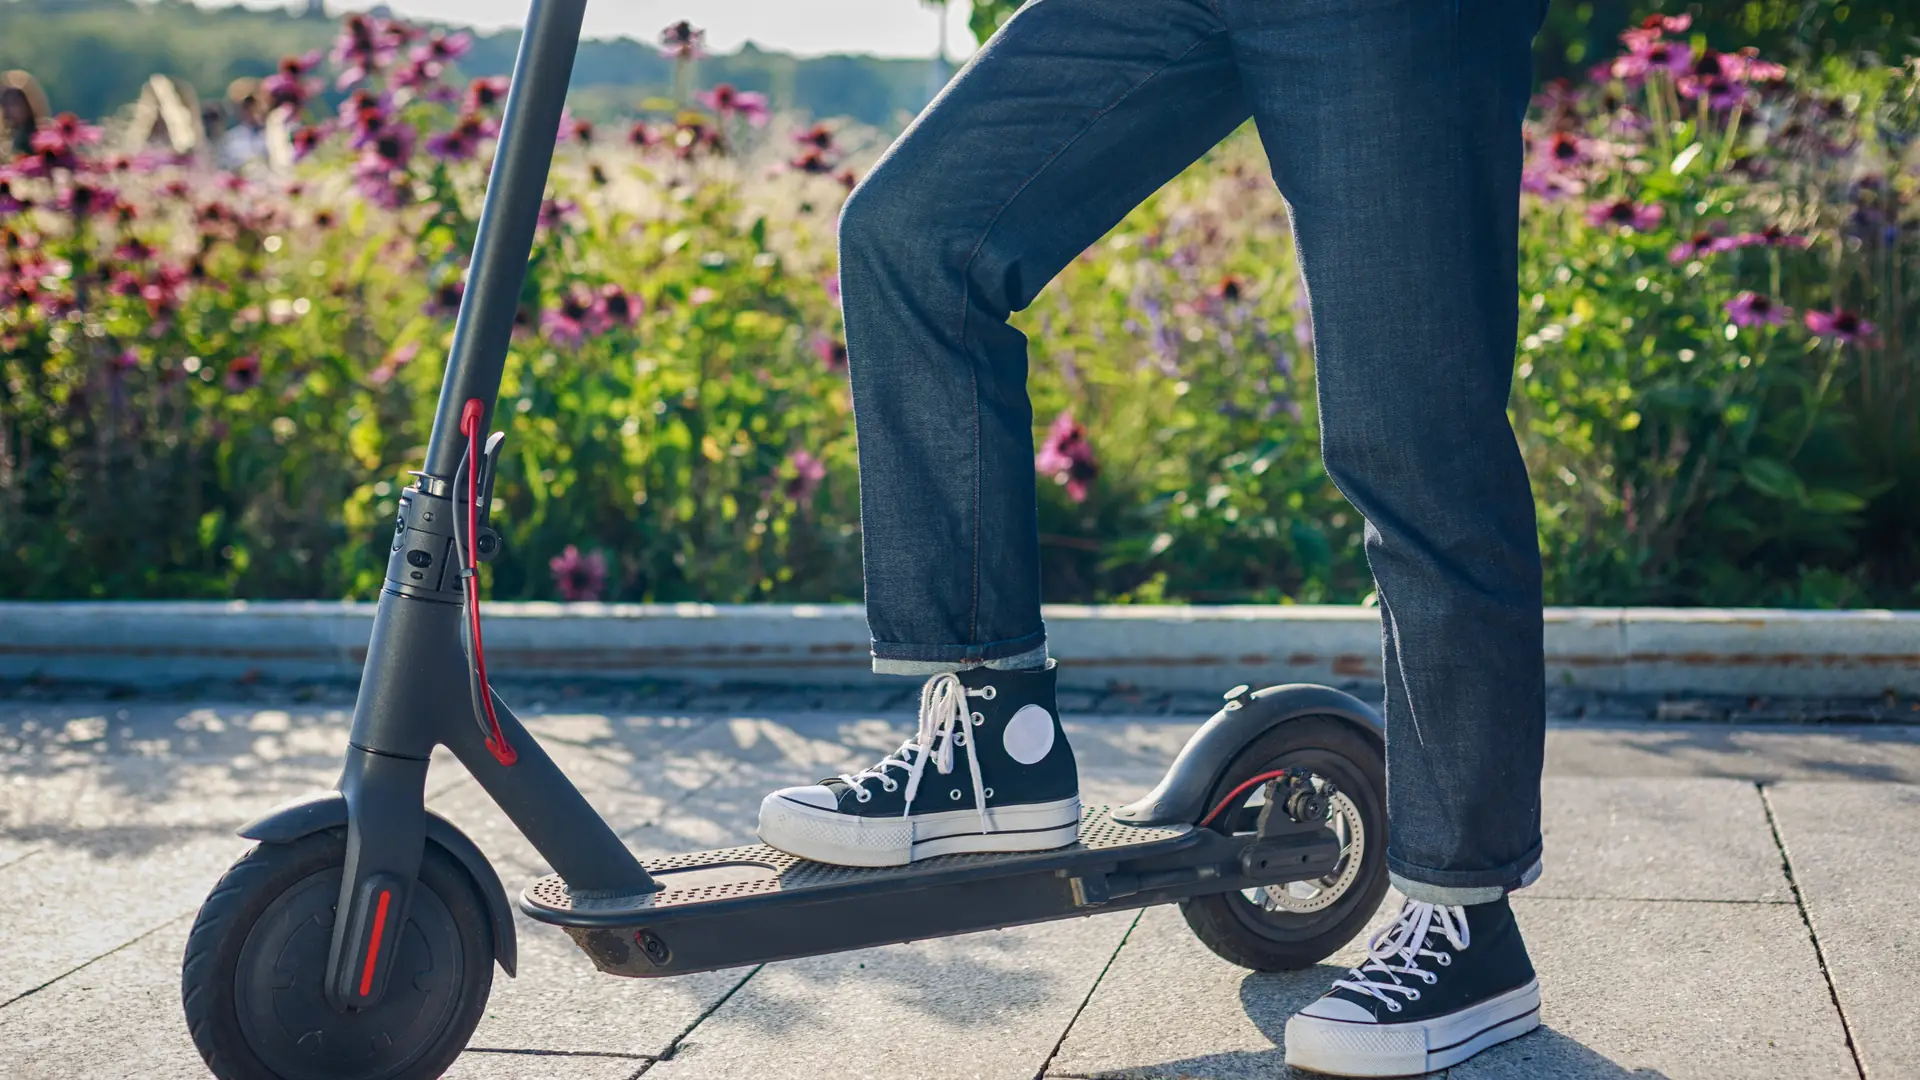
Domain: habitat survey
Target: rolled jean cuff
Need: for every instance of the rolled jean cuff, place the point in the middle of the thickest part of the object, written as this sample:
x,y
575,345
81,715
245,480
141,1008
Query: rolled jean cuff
x,y
1462,887
896,658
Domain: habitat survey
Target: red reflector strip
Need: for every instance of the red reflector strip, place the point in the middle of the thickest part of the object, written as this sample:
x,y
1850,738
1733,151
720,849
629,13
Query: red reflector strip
x,y
373,942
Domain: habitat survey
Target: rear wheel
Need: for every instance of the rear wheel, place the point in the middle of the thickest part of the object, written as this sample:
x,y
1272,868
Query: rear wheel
x,y
1299,924
252,981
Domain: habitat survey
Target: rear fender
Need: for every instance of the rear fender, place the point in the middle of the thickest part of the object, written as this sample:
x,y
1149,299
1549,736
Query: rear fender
x,y
1180,797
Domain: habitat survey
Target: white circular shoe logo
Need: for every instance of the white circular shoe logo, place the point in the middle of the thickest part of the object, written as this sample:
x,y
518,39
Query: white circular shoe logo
x,y
1029,734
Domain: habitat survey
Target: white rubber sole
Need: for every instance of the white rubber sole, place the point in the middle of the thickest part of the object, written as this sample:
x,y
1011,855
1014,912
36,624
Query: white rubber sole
x,y
1347,1048
845,840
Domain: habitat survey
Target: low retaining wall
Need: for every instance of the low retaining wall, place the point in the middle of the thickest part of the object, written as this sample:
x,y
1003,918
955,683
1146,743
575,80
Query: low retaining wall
x,y
1639,650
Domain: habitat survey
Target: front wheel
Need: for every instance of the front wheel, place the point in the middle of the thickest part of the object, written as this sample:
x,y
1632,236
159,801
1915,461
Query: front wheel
x,y
1299,924
255,968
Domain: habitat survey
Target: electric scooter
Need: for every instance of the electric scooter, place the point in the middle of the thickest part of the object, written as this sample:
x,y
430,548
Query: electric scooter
x,y
356,940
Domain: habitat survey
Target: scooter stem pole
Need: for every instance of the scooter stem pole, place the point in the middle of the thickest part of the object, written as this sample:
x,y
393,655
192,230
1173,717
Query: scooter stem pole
x,y
515,188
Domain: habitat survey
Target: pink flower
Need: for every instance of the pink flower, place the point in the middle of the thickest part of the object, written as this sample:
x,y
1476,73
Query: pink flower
x,y
1841,326
444,48
445,303
612,309
1752,309
366,44
819,136
307,139
726,101
485,93
567,325
1067,456
808,472
1772,236
1700,243
683,41
557,213
579,577
1625,213
574,129
243,373
831,351
391,364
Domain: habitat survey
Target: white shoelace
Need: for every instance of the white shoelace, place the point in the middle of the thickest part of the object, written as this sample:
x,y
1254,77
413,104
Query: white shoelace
x,y
944,720
1405,941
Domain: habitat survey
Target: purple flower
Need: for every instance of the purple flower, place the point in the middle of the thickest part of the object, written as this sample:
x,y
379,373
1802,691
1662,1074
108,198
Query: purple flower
x,y
1841,326
366,44
366,115
443,48
683,41
82,199
289,86
462,141
1067,456
1752,309
1625,213
808,472
726,101
11,204
579,577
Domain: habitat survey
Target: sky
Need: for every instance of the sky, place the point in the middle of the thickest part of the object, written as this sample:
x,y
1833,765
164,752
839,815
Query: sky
x,y
805,27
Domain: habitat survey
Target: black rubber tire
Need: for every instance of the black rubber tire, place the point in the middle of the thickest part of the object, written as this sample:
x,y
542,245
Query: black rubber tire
x,y
446,925
1232,926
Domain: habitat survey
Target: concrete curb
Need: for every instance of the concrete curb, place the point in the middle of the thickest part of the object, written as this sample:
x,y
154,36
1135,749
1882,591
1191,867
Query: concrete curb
x,y
1626,650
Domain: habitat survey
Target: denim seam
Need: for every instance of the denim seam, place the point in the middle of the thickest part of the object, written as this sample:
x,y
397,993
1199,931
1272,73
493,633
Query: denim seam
x,y
875,645
966,293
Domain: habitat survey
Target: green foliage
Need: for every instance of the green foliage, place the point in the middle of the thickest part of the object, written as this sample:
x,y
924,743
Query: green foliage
x,y
705,445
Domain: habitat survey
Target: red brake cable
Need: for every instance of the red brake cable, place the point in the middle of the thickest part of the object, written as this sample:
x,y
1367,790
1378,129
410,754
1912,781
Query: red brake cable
x,y
1236,792
470,417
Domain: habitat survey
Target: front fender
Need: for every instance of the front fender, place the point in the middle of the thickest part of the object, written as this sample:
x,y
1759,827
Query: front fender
x,y
1180,797
328,810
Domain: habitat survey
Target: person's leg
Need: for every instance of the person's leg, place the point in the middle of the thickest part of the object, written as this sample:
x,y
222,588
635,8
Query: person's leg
x,y
1393,127
1063,122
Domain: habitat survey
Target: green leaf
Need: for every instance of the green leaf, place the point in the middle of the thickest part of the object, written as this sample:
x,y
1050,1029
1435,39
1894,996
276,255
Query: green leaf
x,y
1773,479
1832,501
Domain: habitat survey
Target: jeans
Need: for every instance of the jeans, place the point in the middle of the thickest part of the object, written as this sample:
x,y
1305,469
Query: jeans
x,y
1393,131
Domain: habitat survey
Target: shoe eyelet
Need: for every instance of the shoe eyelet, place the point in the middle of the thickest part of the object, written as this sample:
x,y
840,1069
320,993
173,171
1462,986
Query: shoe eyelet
x,y
989,793
865,795
890,785
988,693
1413,995
1393,1006
978,719
1443,960
1430,977
954,794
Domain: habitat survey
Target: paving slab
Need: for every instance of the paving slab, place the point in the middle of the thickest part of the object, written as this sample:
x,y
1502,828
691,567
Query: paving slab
x,y
1770,752
1638,838
1685,991
1855,851
117,1017
1169,1009
987,1006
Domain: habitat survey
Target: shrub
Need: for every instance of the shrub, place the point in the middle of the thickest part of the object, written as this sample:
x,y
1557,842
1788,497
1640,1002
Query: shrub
x,y
213,384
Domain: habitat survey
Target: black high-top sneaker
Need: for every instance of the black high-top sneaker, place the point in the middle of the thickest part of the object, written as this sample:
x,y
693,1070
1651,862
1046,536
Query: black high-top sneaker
x,y
1438,986
988,769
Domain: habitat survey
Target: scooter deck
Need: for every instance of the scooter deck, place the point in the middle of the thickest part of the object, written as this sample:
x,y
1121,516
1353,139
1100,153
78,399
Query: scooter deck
x,y
754,904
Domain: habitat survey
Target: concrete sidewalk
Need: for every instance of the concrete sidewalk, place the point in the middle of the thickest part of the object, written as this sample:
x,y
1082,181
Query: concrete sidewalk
x,y
1720,901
